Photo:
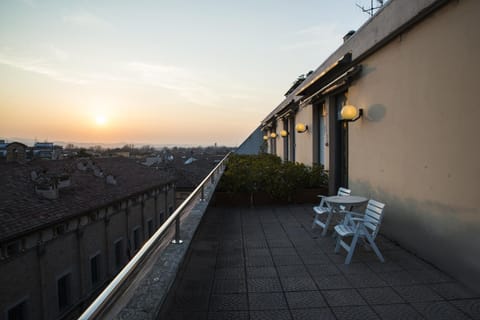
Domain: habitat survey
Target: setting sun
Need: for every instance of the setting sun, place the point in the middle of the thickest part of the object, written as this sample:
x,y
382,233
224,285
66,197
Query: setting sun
x,y
100,120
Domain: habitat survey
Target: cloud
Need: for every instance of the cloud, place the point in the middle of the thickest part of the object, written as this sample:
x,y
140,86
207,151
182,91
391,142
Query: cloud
x,y
183,82
59,54
87,20
174,78
39,66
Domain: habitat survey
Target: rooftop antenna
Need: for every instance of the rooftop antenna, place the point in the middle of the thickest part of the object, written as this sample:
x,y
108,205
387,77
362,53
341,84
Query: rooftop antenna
x,y
372,8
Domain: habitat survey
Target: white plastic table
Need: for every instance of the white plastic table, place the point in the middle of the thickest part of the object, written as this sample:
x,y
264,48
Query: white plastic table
x,y
335,202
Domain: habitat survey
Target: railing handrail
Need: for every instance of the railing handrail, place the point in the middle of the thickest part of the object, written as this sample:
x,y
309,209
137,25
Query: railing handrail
x,y
103,299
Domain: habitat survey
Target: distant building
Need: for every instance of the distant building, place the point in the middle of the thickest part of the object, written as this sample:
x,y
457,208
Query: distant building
x,y
3,149
46,150
15,152
68,226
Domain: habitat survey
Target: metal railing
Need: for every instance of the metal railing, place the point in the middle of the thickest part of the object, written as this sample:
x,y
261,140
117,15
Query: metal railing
x,y
103,302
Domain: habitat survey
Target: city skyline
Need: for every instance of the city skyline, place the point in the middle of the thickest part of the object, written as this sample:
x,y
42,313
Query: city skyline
x,y
154,72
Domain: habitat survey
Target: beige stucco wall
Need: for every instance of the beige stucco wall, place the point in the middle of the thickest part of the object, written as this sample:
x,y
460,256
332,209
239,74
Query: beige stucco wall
x,y
304,141
417,148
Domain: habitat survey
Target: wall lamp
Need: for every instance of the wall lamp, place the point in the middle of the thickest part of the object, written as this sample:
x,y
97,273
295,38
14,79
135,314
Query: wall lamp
x,y
265,137
284,133
273,135
350,113
301,127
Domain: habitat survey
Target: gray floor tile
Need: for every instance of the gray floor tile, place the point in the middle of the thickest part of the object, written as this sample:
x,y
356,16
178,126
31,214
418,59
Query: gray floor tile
x,y
382,267
398,278
382,295
252,252
298,284
469,306
229,286
267,301
343,297
365,280
223,302
454,290
305,299
332,282
188,315
313,314
287,260
262,272
292,271
270,315
354,313
397,312
355,268
439,310
323,269
259,261
283,251
315,259
230,315
264,285
230,273
417,293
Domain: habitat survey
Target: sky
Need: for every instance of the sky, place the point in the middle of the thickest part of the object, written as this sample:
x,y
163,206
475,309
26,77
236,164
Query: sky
x,y
156,72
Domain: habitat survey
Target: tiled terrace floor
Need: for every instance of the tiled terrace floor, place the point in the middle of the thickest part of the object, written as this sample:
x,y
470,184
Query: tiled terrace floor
x,y
266,263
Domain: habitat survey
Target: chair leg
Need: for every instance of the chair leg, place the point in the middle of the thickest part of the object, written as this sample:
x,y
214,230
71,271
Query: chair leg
x,y
375,249
337,246
327,224
353,245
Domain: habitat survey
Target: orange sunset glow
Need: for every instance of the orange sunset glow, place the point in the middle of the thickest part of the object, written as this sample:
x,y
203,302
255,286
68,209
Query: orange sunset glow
x,y
111,72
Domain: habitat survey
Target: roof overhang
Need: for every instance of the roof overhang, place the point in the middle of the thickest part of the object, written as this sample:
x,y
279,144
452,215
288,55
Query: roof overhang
x,y
325,75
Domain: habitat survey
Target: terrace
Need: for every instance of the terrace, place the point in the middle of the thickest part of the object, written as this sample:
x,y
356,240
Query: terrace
x,y
267,263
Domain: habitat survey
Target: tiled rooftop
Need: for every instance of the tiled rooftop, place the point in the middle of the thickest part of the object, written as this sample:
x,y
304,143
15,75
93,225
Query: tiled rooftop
x,y
267,263
21,209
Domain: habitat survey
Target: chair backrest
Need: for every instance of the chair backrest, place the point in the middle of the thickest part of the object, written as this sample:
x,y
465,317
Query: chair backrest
x,y
373,216
343,192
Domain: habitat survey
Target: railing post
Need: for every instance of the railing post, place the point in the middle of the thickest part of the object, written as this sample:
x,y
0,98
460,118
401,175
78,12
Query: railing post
x,y
202,197
177,239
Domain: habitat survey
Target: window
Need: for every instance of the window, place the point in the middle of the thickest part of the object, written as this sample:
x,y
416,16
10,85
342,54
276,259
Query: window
x,y
13,248
18,312
95,269
63,291
118,253
150,227
136,239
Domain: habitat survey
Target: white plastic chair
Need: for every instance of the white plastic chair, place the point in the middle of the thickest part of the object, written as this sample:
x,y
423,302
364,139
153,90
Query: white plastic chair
x,y
323,208
361,226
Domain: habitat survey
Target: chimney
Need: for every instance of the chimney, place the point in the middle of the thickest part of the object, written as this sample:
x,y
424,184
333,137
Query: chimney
x,y
348,35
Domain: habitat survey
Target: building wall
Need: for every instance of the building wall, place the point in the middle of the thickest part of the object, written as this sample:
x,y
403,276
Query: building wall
x,y
416,148
304,141
33,273
17,274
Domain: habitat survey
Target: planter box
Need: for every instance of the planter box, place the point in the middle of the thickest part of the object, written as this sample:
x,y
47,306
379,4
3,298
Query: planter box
x,y
244,199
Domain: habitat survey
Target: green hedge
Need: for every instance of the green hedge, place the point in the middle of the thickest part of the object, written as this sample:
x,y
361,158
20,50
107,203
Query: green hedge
x,y
267,173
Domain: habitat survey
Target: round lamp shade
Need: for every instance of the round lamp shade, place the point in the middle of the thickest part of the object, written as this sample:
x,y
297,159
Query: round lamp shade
x,y
284,133
273,135
301,127
265,138
348,112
